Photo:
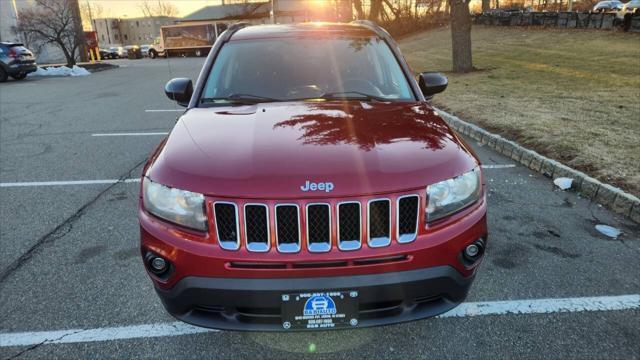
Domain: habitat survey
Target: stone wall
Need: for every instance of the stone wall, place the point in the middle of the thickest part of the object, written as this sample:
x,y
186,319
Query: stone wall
x,y
603,21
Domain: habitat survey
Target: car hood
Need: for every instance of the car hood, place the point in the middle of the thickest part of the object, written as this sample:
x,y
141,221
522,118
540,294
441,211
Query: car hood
x,y
270,150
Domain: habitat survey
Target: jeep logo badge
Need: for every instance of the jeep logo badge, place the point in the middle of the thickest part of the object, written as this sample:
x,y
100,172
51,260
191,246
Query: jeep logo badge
x,y
321,186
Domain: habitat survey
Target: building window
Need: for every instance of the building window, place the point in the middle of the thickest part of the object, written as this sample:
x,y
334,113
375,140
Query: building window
x,y
137,24
126,37
102,37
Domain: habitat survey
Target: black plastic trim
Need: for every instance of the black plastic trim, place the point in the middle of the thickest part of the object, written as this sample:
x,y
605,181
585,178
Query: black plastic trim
x,y
190,295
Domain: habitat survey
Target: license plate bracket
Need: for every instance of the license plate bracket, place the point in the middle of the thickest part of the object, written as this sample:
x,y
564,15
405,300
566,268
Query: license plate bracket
x,y
320,310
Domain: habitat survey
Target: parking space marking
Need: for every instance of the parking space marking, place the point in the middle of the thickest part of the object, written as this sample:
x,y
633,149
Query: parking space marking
x,y
545,306
505,166
131,134
164,110
471,309
64,183
100,334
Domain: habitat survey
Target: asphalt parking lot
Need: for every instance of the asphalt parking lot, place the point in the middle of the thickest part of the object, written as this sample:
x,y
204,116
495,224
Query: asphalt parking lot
x,y
72,284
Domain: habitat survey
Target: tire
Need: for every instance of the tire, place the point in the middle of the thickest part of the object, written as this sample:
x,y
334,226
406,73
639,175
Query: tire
x,y
153,54
3,75
20,76
626,22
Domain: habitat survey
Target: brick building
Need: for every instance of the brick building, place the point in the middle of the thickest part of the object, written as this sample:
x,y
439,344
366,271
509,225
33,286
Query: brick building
x,y
135,31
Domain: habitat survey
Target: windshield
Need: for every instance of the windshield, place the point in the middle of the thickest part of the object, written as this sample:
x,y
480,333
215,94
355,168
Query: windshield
x,y
304,68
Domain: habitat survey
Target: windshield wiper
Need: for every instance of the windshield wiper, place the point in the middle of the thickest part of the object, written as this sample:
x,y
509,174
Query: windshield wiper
x,y
350,95
239,98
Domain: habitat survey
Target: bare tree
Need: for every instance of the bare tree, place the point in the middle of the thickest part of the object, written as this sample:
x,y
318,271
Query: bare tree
x,y
461,36
90,11
375,9
53,22
344,10
486,5
159,8
357,4
247,7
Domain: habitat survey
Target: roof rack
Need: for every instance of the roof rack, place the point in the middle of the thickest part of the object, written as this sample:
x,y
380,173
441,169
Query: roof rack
x,y
371,25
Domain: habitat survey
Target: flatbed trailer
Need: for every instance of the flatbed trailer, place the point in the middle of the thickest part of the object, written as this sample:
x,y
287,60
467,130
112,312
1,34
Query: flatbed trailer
x,y
190,39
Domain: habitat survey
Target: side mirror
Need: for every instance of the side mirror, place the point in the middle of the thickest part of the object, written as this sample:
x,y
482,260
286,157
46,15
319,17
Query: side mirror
x,y
432,83
180,90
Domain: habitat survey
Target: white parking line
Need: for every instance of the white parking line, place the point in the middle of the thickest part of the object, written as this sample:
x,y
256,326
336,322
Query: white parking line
x,y
506,166
64,183
164,110
515,307
132,134
545,306
100,334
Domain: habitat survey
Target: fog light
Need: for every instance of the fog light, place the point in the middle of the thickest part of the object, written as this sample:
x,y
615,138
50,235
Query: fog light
x,y
158,264
472,250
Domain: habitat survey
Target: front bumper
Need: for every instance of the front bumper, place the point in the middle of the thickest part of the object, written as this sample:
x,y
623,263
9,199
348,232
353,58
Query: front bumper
x,y
21,68
254,304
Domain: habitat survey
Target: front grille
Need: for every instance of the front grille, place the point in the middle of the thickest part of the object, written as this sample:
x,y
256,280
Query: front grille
x,y
256,222
319,227
226,215
407,214
287,228
379,225
349,226
282,224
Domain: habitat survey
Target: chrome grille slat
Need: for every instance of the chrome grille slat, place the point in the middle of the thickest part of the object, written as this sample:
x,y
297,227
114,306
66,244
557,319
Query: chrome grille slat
x,y
349,225
287,228
318,227
256,227
227,229
407,209
379,222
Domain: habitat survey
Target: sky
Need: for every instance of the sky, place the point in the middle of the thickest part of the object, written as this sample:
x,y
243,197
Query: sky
x,y
131,8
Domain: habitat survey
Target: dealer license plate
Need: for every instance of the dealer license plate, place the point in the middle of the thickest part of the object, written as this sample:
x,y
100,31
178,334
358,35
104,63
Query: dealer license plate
x,y
320,310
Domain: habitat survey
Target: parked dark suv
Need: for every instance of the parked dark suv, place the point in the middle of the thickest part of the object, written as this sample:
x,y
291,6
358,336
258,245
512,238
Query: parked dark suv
x,y
15,61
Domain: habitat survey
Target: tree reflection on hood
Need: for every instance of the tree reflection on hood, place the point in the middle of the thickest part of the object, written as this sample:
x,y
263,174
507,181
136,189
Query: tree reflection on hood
x,y
369,124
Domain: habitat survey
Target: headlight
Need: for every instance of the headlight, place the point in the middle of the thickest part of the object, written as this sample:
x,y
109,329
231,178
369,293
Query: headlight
x,y
446,197
182,207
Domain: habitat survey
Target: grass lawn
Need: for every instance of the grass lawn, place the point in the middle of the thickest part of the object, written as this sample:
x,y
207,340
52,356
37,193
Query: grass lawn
x,y
571,95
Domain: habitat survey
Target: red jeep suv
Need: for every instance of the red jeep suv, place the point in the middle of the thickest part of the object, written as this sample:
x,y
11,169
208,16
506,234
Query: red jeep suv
x,y
310,185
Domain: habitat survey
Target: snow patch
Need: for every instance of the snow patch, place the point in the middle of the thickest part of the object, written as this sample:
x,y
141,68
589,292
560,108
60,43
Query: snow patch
x,y
60,71
609,231
563,183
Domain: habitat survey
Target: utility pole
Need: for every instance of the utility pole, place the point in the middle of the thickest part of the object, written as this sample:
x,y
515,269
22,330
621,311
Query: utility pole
x,y
272,12
90,15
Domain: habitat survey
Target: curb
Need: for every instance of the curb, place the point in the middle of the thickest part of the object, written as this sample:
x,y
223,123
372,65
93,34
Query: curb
x,y
100,67
608,196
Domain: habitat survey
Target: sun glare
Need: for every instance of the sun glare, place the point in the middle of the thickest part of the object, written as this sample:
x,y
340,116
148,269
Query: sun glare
x,y
317,3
